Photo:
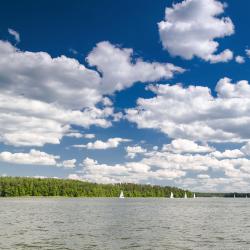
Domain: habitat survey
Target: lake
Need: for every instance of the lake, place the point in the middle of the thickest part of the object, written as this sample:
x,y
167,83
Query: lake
x,y
136,223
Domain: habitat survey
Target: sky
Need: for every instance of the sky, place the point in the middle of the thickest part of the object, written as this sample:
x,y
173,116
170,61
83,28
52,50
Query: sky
x,y
153,92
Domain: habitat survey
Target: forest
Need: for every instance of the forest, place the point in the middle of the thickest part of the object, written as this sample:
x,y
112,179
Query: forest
x,y
26,186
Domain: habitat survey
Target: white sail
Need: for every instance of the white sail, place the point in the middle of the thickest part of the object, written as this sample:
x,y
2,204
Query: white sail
x,y
121,195
171,195
185,196
194,196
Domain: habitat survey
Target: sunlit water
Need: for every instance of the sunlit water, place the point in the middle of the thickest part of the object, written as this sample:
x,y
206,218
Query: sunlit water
x,y
84,223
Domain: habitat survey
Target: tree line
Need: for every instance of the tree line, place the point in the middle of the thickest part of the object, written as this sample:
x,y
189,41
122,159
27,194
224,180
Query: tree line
x,y
26,186
224,195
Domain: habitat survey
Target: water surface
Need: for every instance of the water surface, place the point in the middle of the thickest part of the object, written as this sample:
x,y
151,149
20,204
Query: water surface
x,y
105,223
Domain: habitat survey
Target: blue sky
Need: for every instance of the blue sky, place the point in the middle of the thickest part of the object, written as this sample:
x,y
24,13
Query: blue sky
x,y
115,91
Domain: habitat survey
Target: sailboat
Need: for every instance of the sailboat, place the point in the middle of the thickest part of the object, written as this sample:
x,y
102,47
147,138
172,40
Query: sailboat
x,y
194,196
121,195
171,195
234,195
185,196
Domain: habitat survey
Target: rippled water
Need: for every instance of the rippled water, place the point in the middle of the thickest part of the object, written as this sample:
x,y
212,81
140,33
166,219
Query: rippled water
x,y
63,223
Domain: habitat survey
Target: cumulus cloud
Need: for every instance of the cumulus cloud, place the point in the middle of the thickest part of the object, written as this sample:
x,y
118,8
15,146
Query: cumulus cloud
x,y
75,177
15,34
49,97
235,153
60,80
132,172
191,27
224,56
98,144
34,157
227,90
42,97
27,122
69,163
240,59
80,135
74,134
216,184
119,71
133,151
107,102
193,113
186,146
175,167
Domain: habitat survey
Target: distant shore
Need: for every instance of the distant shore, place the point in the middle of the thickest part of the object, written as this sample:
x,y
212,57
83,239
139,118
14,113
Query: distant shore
x,y
224,195
51,187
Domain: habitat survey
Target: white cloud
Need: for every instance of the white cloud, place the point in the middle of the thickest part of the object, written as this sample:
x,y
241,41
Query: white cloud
x,y
193,113
107,102
133,151
216,184
51,94
59,80
41,97
15,34
79,146
43,177
247,52
74,134
74,177
69,163
175,168
191,27
226,89
203,176
240,59
26,122
34,157
119,72
80,135
235,153
132,172
98,144
89,136
224,56
186,146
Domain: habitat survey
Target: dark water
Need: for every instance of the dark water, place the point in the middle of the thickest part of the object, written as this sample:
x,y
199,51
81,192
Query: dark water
x,y
58,223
